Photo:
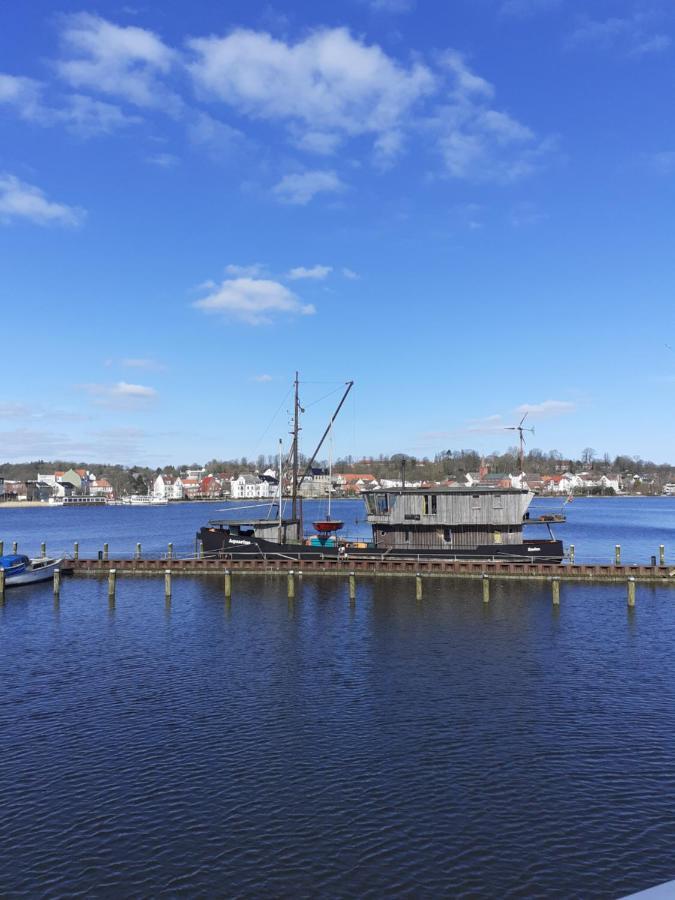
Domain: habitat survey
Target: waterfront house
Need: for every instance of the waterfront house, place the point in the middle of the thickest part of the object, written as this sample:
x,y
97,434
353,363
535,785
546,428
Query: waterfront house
x,y
166,487
211,486
354,483
101,487
250,487
191,487
77,479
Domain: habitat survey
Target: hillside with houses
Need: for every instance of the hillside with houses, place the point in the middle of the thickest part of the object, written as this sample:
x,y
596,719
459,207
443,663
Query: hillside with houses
x,y
197,483
244,479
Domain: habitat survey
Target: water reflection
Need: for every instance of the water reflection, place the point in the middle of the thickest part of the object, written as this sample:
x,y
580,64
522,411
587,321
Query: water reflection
x,y
317,745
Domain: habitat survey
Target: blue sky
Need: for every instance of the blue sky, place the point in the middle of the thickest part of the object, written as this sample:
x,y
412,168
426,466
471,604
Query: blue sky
x,y
466,207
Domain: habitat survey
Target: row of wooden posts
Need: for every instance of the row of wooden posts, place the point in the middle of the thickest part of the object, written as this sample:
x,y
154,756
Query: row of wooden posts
x,y
199,552
290,586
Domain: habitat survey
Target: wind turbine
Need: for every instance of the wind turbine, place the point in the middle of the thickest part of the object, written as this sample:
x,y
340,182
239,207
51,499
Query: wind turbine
x,y
519,428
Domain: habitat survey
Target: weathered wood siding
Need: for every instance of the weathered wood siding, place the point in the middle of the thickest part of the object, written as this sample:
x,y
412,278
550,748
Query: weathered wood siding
x,y
435,538
449,508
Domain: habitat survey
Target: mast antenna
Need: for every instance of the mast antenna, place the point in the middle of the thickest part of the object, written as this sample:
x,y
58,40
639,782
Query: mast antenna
x,y
520,429
297,409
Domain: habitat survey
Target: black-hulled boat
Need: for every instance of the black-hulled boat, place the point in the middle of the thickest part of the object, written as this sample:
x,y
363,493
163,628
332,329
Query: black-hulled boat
x,y
440,523
476,522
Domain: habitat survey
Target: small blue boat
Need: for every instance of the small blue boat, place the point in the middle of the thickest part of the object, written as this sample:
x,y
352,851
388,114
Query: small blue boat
x,y
20,569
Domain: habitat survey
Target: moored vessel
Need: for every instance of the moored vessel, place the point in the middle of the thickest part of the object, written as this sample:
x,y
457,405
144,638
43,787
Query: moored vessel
x,y
20,569
472,522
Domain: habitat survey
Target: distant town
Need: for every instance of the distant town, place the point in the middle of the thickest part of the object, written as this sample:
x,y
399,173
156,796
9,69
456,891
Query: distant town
x,y
545,473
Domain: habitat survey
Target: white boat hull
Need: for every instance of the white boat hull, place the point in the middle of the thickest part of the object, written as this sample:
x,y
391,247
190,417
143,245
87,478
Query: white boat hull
x,y
37,570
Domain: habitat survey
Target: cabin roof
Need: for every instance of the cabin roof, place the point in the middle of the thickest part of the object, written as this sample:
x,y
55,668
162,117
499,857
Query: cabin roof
x,y
451,489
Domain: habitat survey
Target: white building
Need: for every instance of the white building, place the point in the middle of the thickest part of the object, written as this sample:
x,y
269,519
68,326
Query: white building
x,y
250,487
166,487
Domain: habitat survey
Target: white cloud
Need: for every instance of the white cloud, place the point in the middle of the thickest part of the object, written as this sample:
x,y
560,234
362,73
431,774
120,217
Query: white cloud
x,y
147,363
547,408
317,272
19,200
300,188
633,36
263,379
121,395
662,162
216,138
87,117
478,142
114,444
350,274
24,94
252,300
328,86
163,160
80,114
524,8
466,83
392,6
122,61
527,214
486,425
252,271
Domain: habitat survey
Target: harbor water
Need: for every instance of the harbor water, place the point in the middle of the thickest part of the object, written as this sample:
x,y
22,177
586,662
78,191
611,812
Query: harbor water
x,y
261,747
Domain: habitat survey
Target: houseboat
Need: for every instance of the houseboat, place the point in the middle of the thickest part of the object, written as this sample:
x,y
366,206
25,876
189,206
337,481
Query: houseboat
x,y
473,522
440,523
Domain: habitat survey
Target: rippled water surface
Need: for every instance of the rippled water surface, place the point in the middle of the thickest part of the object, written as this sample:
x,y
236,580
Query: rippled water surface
x,y
267,748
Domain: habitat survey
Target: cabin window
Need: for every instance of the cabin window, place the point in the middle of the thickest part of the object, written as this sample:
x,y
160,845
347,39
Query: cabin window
x,y
447,535
429,504
406,535
497,502
475,501
381,504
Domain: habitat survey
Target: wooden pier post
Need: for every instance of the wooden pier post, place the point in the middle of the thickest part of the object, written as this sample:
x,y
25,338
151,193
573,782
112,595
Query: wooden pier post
x,y
15,547
662,555
167,582
555,589
112,581
352,586
105,553
138,550
43,549
57,582
169,552
631,592
2,548
617,554
291,584
2,585
486,588
228,584
418,586
76,550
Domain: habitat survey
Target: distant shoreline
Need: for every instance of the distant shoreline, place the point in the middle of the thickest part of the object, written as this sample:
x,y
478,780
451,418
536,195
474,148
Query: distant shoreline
x,y
34,504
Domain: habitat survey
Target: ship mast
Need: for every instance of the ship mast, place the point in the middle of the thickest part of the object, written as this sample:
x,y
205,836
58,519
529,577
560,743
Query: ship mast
x,y
296,442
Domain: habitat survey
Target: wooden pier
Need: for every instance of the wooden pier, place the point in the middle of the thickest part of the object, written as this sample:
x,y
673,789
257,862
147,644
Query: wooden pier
x,y
435,568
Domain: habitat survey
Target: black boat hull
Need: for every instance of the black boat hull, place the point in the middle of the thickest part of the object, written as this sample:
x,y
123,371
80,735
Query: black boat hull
x,y
218,544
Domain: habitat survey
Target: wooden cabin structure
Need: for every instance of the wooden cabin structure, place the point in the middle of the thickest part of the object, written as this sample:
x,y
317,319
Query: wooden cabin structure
x,y
453,518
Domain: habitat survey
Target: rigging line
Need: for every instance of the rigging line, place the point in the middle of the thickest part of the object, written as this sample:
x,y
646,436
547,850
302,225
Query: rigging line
x,y
271,422
325,396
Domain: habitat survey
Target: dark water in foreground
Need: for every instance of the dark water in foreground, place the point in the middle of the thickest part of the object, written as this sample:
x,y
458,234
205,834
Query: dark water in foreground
x,y
390,748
